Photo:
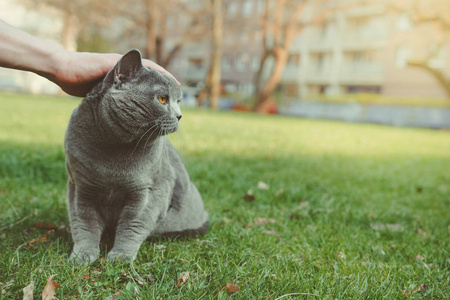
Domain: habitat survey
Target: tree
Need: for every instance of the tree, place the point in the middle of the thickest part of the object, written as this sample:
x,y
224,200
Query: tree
x,y
436,14
164,29
282,21
75,15
279,28
212,82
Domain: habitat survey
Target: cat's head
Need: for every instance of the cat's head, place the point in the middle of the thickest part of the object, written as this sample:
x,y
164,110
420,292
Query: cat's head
x,y
140,100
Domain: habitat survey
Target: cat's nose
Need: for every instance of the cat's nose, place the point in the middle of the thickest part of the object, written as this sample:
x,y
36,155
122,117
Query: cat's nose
x,y
179,117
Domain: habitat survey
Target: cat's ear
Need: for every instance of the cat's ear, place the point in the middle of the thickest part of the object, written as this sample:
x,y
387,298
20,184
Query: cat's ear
x,y
127,66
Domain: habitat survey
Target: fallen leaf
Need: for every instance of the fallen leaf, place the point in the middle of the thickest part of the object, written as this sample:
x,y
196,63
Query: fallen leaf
x,y
263,221
422,288
160,247
418,289
419,257
40,239
249,197
391,227
28,291
263,186
380,250
183,278
49,290
422,233
279,192
294,216
45,225
231,288
303,205
273,232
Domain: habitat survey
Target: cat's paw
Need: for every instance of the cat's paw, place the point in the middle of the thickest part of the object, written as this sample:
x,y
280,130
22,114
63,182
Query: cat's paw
x,y
83,257
120,256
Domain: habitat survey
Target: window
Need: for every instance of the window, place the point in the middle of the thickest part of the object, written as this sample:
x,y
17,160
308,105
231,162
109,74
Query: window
x,y
232,9
247,8
402,54
196,62
226,64
404,22
254,63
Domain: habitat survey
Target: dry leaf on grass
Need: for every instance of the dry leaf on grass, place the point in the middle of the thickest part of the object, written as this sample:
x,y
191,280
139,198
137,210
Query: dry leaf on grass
x,y
273,232
279,192
45,225
183,278
263,186
40,239
49,290
391,227
341,255
248,198
419,257
231,288
422,234
419,289
28,291
303,205
263,221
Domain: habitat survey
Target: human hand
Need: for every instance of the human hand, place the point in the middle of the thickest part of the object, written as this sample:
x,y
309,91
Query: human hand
x,y
78,72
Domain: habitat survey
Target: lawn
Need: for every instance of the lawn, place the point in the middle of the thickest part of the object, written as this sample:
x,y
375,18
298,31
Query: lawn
x,y
299,209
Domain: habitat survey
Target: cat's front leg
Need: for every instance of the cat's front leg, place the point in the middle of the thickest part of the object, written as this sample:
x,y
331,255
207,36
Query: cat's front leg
x,y
137,220
85,224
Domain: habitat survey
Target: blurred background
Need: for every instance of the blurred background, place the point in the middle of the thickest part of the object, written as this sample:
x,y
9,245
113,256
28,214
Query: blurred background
x,y
359,61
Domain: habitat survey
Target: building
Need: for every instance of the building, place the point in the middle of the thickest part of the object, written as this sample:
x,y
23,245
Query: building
x,y
359,49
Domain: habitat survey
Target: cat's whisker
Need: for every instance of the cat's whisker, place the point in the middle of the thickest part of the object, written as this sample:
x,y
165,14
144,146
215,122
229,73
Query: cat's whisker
x,y
179,135
150,136
135,147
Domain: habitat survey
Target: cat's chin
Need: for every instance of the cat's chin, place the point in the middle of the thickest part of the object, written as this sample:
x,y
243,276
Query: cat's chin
x,y
169,129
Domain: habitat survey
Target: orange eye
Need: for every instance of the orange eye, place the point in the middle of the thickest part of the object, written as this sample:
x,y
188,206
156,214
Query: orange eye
x,y
162,99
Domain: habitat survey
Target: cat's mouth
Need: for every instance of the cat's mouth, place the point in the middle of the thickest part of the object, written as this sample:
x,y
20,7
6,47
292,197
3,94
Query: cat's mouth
x,y
169,126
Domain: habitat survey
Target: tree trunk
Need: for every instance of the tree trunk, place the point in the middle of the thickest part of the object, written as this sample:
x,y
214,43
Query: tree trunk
x,y
206,91
151,32
444,82
70,29
281,56
258,77
170,56
216,54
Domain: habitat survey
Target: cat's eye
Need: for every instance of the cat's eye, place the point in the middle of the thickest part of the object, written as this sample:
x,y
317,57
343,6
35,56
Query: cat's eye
x,y
162,99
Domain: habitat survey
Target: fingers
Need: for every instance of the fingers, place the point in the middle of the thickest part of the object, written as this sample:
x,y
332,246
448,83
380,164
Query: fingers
x,y
150,64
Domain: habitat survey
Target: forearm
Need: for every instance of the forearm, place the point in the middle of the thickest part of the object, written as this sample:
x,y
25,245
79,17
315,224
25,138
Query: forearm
x,y
21,51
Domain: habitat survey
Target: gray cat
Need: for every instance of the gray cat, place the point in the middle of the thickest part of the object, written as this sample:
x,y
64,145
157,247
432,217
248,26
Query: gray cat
x,y
124,175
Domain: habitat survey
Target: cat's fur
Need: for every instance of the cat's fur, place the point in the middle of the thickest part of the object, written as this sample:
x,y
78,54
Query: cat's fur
x,y
124,174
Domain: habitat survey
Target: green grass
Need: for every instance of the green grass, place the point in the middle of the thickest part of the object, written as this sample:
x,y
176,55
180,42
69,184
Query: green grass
x,y
360,211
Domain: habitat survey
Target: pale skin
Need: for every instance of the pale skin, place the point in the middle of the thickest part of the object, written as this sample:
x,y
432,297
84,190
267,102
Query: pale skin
x,y
75,72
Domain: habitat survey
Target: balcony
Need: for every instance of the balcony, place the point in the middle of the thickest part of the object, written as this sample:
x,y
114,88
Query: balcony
x,y
362,73
290,73
195,73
